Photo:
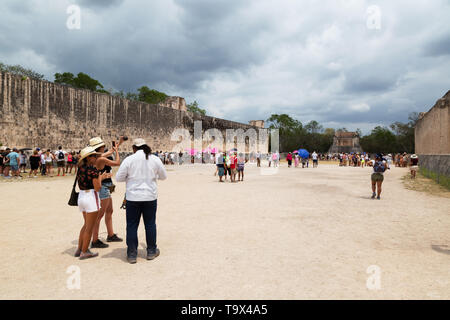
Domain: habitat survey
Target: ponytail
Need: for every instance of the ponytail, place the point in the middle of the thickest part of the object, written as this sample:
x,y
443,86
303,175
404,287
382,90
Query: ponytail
x,y
147,150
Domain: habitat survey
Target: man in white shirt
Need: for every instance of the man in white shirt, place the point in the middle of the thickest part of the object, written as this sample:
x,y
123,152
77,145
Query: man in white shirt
x,y
258,159
141,171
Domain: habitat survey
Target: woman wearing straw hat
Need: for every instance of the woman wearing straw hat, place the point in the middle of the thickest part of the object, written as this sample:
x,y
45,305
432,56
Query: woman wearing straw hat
x,y
89,183
104,164
414,165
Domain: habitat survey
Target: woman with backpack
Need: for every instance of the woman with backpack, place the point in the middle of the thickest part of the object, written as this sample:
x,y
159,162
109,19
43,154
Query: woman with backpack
x,y
379,167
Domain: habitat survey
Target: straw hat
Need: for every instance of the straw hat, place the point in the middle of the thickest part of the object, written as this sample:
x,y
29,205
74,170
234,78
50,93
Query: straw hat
x,y
3,148
88,151
414,156
138,142
96,142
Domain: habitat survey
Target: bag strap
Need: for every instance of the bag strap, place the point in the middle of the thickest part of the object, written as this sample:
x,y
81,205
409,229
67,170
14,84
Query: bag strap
x,y
75,182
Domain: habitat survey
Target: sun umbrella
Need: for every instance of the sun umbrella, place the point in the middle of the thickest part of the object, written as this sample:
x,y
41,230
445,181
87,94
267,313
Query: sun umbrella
x,y
295,151
192,151
303,153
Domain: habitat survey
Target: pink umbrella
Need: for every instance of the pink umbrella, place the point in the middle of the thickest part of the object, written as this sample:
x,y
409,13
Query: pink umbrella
x,y
192,151
295,151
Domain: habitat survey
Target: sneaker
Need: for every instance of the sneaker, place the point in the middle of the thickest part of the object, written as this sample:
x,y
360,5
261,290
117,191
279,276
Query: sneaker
x,y
378,197
114,238
99,244
152,254
132,260
373,195
88,254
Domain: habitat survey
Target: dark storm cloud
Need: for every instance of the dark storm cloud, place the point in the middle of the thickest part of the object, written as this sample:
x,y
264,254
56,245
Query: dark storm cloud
x,y
369,84
439,47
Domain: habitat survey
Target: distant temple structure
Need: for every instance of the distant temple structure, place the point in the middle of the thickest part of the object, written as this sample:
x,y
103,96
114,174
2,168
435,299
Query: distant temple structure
x,y
345,142
257,123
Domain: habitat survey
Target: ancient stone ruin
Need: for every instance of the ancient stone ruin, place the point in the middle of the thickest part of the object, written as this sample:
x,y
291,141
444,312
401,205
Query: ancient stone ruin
x,y
35,113
432,141
345,142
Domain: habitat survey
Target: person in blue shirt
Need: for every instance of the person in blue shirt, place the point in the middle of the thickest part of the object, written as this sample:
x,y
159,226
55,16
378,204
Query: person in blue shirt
x,y
14,162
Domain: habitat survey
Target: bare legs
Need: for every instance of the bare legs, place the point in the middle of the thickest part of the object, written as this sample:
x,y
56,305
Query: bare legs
x,y
107,211
86,231
376,187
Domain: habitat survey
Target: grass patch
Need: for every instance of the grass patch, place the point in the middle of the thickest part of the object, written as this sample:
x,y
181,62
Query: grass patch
x,y
423,183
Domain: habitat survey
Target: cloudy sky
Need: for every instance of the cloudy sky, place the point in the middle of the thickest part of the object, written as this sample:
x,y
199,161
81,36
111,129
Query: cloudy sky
x,y
344,63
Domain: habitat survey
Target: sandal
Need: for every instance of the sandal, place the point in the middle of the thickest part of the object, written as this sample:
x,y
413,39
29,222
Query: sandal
x,y
88,254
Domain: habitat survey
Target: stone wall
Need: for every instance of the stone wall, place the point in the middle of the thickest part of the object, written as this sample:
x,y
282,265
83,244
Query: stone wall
x,y
35,113
432,133
432,140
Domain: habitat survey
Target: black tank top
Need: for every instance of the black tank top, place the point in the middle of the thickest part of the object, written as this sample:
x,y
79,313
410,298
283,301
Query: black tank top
x,y
107,169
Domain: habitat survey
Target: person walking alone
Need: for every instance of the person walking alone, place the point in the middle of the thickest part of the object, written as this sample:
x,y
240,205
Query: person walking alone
x,y
379,167
141,171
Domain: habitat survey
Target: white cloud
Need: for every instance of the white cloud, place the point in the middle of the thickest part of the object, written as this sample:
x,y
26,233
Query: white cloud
x,y
360,107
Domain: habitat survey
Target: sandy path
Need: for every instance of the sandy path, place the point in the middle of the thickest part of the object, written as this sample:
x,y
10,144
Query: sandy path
x,y
299,234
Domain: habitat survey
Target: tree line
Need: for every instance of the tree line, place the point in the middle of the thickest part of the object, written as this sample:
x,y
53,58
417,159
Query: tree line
x,y
398,137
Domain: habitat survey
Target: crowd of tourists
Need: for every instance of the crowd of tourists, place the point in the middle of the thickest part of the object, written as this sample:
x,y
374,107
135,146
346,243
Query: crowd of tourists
x,y
14,162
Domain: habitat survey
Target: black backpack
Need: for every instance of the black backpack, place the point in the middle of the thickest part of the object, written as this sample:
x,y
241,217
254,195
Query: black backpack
x,y
61,155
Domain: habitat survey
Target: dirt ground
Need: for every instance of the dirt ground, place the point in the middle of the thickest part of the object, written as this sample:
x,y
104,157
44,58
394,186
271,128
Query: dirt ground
x,y
296,234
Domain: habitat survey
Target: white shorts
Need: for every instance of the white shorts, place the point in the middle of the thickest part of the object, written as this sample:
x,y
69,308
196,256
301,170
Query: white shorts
x,y
88,201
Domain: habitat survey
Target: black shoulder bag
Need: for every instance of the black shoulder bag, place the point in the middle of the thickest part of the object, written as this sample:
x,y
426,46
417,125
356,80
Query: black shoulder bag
x,y
73,201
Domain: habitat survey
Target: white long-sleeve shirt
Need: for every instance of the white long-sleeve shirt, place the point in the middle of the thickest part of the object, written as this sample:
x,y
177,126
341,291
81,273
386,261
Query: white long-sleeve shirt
x,y
140,176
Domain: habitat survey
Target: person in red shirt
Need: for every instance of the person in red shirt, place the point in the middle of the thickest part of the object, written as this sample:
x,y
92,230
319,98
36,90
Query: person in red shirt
x,y
289,159
233,165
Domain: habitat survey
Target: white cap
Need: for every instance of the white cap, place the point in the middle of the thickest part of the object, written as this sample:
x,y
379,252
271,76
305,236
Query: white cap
x,y
138,142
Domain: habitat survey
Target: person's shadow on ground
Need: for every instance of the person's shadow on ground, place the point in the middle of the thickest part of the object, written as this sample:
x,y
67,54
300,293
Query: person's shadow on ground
x,y
118,253
441,248
121,253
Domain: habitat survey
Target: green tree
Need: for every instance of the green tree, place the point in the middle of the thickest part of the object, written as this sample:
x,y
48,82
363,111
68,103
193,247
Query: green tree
x,y
145,94
381,139
313,127
132,96
21,71
193,107
283,122
81,81
405,133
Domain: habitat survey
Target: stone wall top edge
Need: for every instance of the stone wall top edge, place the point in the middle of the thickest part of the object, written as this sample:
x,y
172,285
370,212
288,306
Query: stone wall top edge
x,y
445,98
191,114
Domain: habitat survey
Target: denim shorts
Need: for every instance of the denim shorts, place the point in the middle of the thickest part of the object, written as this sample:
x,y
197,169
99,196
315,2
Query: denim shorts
x,y
104,191
14,167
